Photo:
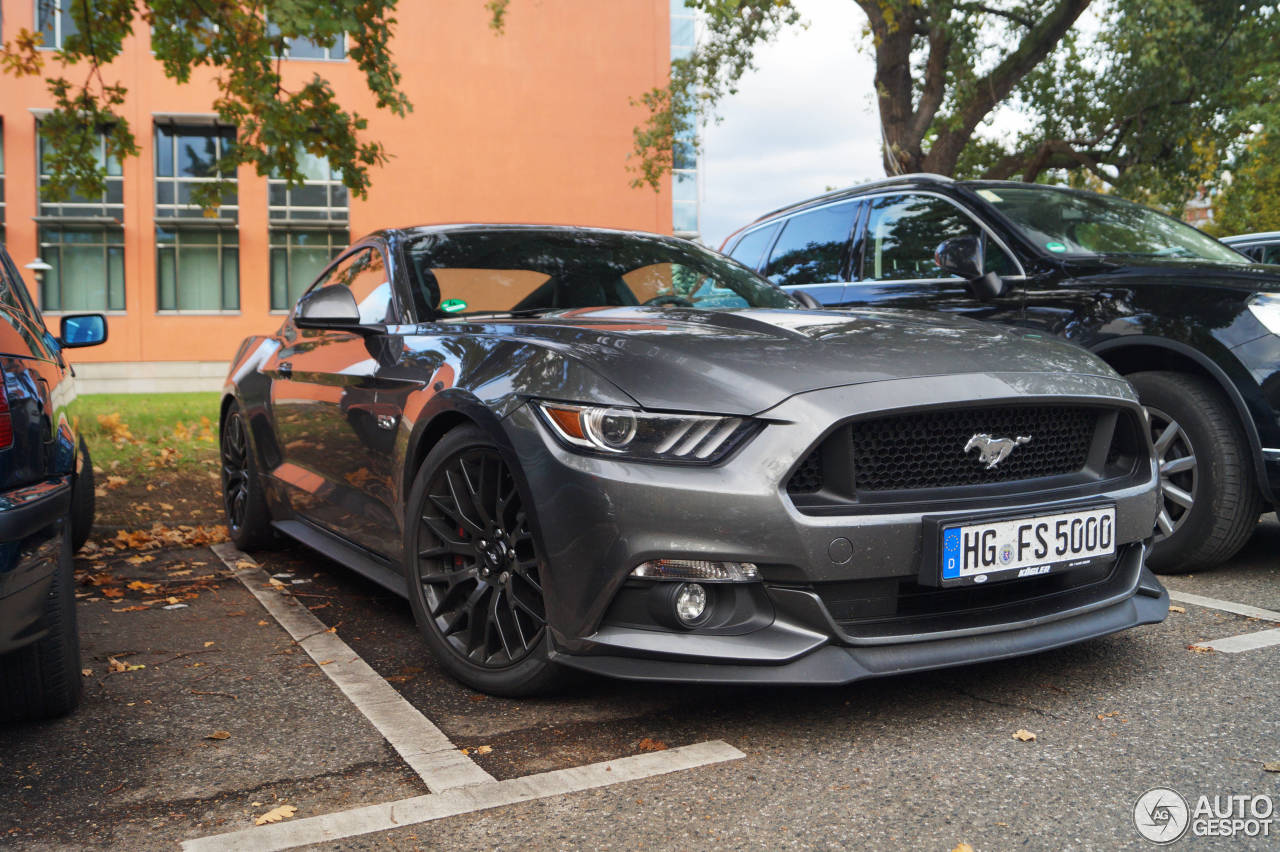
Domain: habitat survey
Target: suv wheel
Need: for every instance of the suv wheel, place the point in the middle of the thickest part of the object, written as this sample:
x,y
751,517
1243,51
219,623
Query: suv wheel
x,y
475,580
42,680
1209,497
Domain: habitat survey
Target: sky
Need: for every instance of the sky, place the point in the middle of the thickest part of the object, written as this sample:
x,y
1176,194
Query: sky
x,y
804,121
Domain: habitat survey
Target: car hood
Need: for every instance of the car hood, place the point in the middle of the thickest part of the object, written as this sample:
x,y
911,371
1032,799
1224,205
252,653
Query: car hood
x,y
1245,277
745,361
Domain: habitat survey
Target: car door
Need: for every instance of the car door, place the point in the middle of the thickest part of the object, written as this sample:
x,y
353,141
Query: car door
x,y
812,251
894,259
337,404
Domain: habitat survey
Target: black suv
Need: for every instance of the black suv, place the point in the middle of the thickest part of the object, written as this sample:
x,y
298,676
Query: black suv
x,y
1194,325
46,504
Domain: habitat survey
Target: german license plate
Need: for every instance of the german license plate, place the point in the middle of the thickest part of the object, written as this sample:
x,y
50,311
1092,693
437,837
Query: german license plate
x,y
1026,547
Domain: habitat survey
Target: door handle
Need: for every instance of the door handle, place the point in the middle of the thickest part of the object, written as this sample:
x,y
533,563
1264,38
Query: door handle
x,y
286,369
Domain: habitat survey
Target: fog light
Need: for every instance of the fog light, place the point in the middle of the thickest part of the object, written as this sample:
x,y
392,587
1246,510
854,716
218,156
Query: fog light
x,y
691,604
697,569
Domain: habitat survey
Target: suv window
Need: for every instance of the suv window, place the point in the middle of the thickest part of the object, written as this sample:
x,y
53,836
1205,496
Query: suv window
x,y
903,231
365,273
813,246
751,247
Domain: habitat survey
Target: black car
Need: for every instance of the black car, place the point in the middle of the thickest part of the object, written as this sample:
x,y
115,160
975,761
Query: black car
x,y
1194,325
623,453
46,504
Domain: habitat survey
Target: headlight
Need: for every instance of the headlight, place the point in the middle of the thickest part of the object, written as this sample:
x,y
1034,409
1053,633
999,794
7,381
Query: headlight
x,y
644,435
1266,307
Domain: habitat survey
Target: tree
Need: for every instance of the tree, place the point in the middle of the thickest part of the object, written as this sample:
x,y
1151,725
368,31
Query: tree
x,y
1250,202
236,40
1150,90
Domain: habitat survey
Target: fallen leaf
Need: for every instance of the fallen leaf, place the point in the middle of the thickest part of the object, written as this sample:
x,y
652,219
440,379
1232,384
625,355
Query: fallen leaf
x,y
208,644
1108,715
1200,649
87,672
1176,608
484,749
1023,735
139,586
138,608
218,735
114,481
962,847
262,624
113,593
276,815
115,665
139,560
648,744
1273,766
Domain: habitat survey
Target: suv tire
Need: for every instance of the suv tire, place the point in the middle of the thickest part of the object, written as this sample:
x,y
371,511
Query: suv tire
x,y
1193,419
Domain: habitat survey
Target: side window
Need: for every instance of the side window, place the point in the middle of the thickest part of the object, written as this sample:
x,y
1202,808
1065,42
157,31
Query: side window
x,y
366,275
1269,254
903,231
750,248
813,246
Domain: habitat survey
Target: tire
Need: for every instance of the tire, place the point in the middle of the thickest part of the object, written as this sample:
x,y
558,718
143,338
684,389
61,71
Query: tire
x,y
243,500
82,501
42,680
1210,505
473,570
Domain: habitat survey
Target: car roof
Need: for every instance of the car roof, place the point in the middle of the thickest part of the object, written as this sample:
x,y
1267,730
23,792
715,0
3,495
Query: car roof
x,y
912,180
413,231
1260,236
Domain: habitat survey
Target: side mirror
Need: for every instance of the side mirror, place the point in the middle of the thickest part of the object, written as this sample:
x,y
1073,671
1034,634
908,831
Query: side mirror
x,y
332,306
806,300
78,330
963,256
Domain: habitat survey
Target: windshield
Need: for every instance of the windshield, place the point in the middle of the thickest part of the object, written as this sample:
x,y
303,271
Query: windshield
x,y
1080,223
534,271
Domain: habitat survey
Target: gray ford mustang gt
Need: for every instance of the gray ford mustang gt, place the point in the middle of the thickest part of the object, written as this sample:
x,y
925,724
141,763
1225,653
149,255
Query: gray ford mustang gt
x,y
625,454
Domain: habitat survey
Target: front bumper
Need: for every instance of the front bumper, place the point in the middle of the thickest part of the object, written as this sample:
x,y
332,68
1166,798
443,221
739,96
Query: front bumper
x,y
31,543
598,518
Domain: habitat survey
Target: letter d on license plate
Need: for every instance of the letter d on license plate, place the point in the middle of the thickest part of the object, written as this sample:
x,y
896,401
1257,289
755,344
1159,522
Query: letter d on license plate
x,y
1026,547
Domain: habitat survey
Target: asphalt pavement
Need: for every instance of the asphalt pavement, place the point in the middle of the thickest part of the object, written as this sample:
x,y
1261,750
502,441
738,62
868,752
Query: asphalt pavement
x,y
201,718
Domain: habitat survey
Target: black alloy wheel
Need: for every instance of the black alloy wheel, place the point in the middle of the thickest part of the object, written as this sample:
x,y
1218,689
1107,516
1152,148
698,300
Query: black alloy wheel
x,y
475,577
248,519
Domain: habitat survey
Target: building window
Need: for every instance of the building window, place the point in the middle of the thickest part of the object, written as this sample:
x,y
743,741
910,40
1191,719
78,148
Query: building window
x,y
108,205
297,258
54,21
305,48
88,268
185,158
308,227
198,269
80,237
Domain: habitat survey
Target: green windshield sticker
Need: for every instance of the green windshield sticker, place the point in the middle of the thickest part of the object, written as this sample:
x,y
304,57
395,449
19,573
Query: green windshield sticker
x,y
452,306
990,196
1058,247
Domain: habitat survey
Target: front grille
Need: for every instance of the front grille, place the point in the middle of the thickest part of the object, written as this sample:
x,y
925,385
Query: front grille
x,y
926,450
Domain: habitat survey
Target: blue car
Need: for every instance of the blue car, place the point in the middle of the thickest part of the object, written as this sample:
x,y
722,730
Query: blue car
x,y
46,504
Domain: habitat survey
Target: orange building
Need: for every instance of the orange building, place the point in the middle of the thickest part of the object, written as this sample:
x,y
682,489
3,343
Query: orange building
x,y
534,125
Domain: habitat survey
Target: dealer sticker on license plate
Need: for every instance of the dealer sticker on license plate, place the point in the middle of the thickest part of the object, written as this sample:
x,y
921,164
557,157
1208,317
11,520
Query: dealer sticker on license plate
x,y
1027,547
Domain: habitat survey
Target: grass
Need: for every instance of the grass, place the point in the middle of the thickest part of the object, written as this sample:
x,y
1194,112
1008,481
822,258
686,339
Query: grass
x,y
136,433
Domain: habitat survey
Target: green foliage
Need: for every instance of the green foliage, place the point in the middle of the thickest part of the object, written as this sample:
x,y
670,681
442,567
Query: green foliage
x,y
1251,201
233,39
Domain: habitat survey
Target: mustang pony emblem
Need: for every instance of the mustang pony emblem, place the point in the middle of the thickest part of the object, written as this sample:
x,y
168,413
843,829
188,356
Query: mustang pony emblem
x,y
994,450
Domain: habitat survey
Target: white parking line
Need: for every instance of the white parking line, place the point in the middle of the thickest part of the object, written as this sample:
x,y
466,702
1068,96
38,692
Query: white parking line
x,y
1244,642
422,745
1226,606
422,809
